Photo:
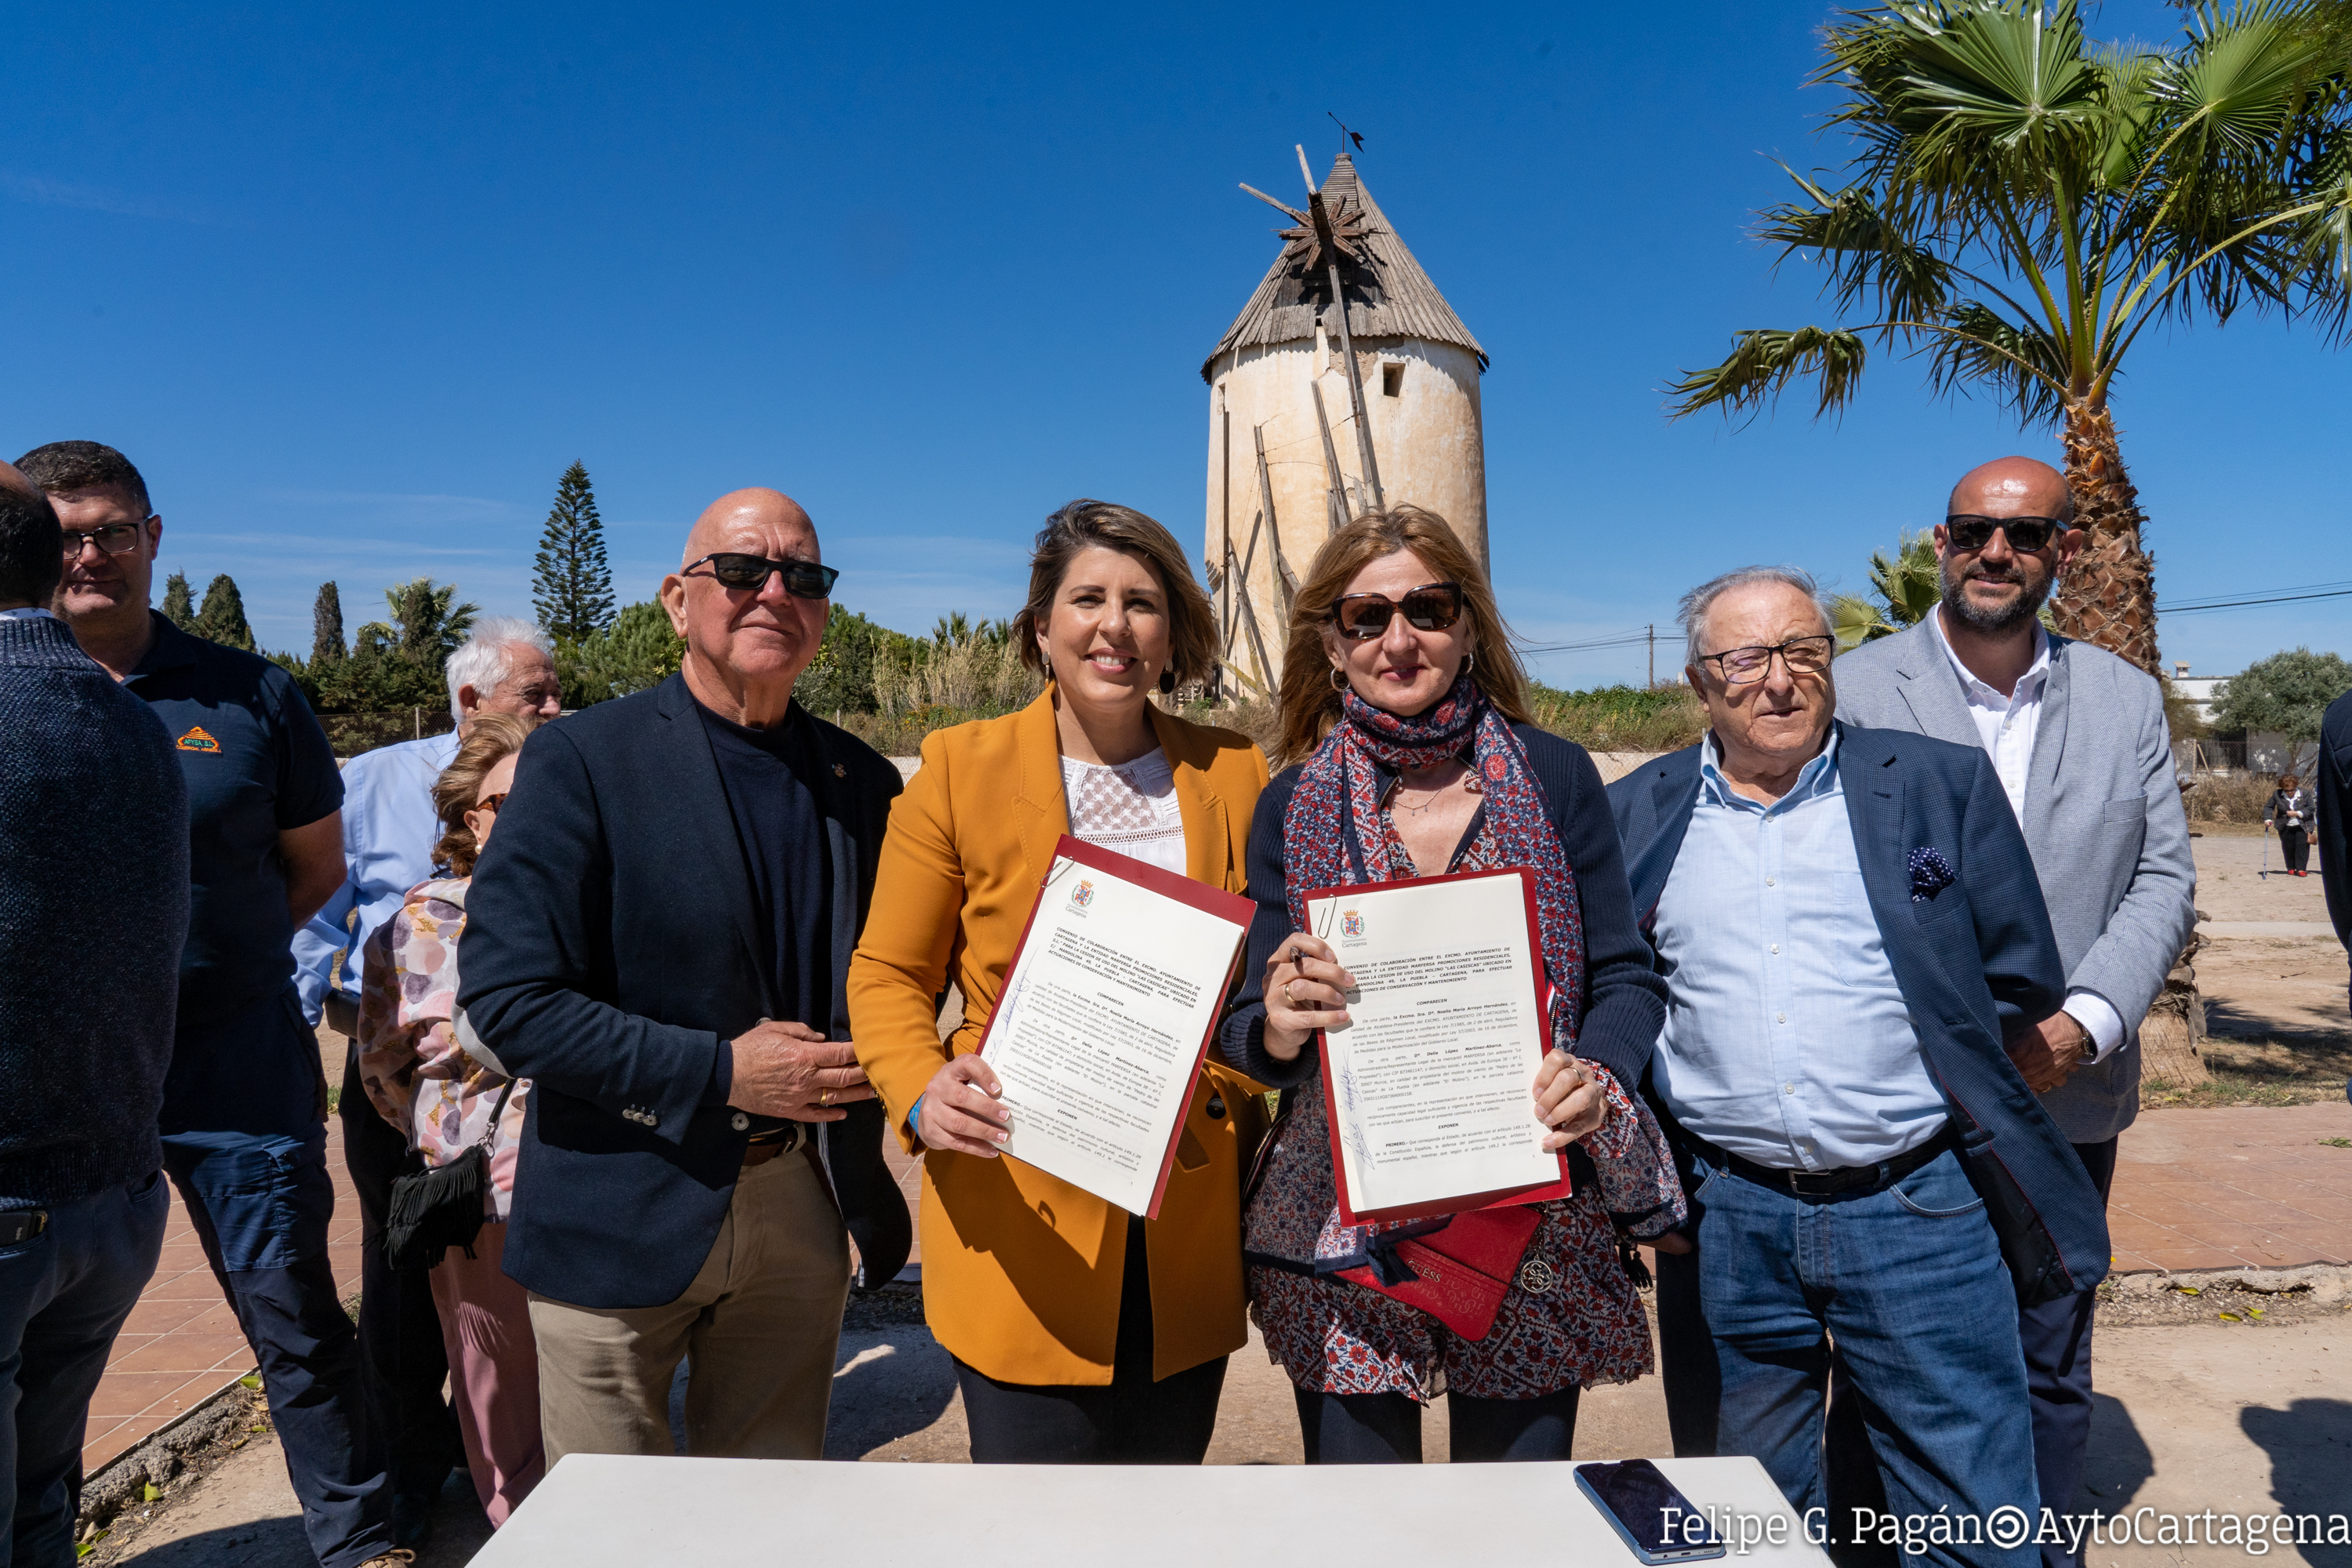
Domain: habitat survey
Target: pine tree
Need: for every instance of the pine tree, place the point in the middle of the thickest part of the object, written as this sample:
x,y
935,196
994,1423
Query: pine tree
x,y
222,620
327,626
179,604
571,588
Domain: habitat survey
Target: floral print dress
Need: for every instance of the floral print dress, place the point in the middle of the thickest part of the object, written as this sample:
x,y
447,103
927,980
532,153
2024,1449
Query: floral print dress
x,y
1571,1317
414,1071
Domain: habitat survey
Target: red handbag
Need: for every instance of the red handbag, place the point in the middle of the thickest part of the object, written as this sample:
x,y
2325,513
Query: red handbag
x,y
1457,1273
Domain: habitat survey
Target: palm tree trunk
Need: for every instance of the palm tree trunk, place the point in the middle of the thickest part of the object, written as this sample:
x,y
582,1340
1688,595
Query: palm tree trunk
x,y
2108,596
2108,599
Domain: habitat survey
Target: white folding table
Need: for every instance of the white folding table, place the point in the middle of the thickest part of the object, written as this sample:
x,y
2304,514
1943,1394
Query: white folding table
x,y
595,1511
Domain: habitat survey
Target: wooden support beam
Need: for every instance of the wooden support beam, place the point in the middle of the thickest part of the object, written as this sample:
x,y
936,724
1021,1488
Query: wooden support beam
x,y
1285,585
1335,492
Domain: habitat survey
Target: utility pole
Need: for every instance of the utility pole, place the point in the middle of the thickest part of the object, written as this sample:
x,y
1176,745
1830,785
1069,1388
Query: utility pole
x,y
1654,652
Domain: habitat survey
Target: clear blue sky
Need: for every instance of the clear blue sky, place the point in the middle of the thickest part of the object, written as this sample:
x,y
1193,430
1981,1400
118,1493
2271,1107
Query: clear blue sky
x,y
353,285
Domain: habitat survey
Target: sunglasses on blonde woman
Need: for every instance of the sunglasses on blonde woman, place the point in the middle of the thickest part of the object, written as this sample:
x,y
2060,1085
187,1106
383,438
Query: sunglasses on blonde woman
x,y
1431,608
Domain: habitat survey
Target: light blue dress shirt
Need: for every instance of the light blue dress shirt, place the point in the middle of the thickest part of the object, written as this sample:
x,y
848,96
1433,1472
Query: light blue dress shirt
x,y
389,831
1787,1039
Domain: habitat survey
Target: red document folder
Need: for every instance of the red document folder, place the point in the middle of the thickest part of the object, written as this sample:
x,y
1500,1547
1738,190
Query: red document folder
x,y
1230,907
1541,1191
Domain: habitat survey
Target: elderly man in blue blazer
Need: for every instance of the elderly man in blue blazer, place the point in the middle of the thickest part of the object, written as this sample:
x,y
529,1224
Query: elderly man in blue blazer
x,y
2078,740
1849,930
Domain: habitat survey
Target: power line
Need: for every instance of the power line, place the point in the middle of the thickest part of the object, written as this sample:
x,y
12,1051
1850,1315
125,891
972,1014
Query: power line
x,y
2326,591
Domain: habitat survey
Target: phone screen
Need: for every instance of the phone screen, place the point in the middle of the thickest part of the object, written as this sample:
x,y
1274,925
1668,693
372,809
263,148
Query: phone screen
x,y
1647,1507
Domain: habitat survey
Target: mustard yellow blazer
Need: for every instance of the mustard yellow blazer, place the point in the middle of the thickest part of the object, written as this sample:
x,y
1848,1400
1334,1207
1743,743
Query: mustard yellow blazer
x,y
1022,1270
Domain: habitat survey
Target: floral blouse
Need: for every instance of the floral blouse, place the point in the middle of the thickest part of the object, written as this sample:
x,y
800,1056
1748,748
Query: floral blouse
x,y
416,1073
1570,1317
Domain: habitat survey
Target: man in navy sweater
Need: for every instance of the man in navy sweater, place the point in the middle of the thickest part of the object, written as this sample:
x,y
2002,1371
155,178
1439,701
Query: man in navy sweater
x,y
245,1103
82,1198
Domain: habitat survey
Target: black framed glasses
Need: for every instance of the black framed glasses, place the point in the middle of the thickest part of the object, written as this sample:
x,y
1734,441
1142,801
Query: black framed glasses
x,y
1967,530
1803,655
1431,608
114,539
803,579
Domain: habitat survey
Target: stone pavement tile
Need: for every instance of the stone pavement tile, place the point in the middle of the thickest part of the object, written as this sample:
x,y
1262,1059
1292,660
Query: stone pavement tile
x,y
195,1284
106,1442
184,1352
122,1395
158,1315
2241,1184
2178,1258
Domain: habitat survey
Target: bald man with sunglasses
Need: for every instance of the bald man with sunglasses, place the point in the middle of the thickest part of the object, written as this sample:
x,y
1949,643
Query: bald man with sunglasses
x,y
660,941
2079,740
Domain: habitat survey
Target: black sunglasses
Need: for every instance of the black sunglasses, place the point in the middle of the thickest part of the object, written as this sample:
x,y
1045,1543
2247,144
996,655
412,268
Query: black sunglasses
x,y
803,579
1431,608
1966,531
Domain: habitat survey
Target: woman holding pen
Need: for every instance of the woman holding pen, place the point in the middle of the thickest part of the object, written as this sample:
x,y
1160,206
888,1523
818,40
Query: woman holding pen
x,y
1080,1334
1404,726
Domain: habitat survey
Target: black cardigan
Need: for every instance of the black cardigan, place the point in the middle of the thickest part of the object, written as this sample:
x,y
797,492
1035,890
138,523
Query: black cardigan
x,y
1624,1000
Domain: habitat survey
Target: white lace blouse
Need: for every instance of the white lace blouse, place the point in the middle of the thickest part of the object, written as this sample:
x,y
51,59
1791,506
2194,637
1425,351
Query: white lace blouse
x,y
1131,808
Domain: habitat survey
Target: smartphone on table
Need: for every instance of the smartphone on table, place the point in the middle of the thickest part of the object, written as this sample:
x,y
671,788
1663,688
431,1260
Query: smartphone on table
x,y
1648,1511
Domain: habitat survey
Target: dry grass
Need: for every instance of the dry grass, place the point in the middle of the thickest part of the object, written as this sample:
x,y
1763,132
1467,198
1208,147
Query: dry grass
x,y
976,676
2229,799
2273,1070
1623,718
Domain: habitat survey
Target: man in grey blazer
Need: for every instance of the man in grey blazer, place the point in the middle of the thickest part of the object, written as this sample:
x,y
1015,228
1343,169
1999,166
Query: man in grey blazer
x,y
2078,739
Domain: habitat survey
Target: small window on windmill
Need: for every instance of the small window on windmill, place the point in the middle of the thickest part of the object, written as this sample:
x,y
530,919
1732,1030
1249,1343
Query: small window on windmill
x,y
1392,380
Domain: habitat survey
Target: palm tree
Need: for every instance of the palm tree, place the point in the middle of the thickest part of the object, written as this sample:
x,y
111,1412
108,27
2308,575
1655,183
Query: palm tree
x,y
430,627
2024,204
1903,588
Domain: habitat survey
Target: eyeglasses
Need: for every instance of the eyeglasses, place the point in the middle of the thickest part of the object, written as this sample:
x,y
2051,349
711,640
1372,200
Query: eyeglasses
x,y
803,579
1966,531
1431,608
115,538
490,802
1803,655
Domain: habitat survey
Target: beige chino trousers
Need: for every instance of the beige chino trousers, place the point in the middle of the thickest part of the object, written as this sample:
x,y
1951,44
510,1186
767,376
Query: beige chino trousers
x,y
760,1325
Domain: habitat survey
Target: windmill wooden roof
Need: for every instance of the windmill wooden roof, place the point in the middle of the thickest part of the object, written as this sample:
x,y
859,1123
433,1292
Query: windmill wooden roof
x,y
1392,298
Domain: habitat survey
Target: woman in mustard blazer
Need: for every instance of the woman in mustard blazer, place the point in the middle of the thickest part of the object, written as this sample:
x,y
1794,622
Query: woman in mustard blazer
x,y
1079,1332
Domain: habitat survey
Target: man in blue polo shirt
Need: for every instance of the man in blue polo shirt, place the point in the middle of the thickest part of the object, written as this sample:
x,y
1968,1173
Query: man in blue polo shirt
x,y
245,1103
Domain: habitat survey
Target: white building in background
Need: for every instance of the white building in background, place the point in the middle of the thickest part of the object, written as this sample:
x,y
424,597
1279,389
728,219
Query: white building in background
x,y
1420,369
2264,752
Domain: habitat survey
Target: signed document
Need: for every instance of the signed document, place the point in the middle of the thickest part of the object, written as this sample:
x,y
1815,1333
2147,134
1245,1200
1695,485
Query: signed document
x,y
1430,1084
1116,985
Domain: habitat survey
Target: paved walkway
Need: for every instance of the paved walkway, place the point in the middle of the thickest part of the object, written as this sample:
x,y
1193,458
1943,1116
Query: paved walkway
x,y
181,1344
2215,1189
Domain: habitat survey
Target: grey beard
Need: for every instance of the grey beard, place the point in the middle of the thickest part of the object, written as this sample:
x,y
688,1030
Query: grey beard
x,y
1992,622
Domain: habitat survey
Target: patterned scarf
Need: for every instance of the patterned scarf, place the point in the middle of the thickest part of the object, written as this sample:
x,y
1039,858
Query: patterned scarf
x,y
1334,831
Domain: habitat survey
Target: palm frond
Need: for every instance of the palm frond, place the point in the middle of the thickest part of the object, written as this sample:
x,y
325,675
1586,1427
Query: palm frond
x,y
1762,364
2024,365
1871,262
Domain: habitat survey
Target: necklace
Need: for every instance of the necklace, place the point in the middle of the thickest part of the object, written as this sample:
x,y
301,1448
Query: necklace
x,y
1468,780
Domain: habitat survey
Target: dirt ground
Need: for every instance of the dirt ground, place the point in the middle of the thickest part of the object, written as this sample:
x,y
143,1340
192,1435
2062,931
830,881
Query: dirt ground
x,y
2274,978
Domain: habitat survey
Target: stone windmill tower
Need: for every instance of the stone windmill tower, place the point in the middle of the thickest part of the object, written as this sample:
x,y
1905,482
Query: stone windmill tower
x,y
1317,414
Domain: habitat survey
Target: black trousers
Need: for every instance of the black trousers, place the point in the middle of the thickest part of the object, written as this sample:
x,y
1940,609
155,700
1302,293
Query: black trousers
x,y
2295,844
402,1358
1385,1428
1133,1421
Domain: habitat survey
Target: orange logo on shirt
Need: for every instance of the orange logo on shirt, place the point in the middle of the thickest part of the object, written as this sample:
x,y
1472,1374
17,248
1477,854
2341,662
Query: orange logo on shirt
x,y
196,740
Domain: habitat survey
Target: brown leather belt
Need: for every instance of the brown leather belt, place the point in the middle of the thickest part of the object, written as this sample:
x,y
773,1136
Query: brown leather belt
x,y
758,1154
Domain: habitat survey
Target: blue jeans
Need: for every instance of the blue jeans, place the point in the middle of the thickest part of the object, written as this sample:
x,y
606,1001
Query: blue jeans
x,y
259,1197
1909,1280
63,1297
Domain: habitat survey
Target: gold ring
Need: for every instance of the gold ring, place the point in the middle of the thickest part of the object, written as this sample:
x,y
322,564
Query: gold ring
x,y
1288,1000
825,1098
